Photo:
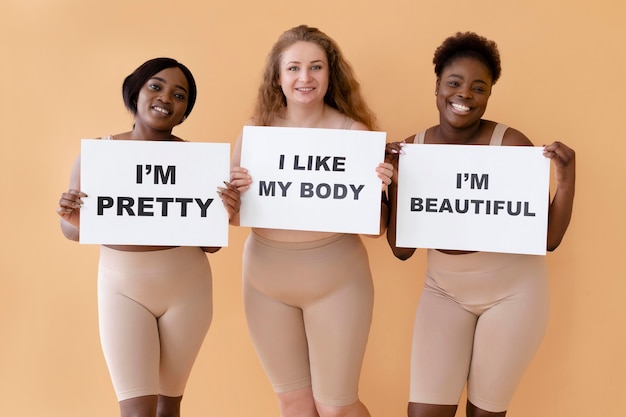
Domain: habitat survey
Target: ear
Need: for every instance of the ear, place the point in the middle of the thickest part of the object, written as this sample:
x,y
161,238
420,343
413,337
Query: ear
x,y
437,85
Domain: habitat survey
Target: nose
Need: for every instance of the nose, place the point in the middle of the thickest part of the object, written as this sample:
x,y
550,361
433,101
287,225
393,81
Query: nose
x,y
305,74
165,96
464,92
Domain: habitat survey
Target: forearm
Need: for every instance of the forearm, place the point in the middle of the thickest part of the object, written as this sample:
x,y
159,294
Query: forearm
x,y
234,220
70,231
400,253
210,249
559,215
384,215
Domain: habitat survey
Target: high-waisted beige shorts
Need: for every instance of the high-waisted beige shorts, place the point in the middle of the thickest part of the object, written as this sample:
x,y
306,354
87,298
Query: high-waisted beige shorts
x,y
154,310
480,319
309,310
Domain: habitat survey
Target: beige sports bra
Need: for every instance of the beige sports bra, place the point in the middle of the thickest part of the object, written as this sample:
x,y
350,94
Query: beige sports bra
x,y
496,137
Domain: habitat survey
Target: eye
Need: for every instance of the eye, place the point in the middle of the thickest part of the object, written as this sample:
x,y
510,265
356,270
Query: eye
x,y
292,68
153,86
316,67
453,83
180,96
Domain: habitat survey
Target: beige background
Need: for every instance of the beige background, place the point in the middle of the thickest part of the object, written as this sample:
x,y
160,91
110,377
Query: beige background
x,y
63,62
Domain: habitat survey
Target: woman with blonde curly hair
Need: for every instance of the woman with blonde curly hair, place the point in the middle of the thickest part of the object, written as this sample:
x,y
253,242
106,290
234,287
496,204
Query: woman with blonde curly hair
x,y
309,295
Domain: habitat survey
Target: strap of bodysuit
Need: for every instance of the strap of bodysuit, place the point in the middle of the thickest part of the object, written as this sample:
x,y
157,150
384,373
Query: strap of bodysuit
x,y
498,134
419,138
347,123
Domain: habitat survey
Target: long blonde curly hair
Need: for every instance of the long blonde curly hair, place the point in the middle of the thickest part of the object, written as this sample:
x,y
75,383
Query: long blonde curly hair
x,y
344,91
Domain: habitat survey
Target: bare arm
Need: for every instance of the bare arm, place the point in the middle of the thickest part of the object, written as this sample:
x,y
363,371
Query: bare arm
x,y
230,199
239,177
560,211
70,204
392,156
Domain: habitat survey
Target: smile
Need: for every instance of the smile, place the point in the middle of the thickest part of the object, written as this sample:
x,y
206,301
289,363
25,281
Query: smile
x,y
161,110
459,107
305,89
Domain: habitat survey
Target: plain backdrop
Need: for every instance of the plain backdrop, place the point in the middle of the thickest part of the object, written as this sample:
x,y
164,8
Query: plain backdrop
x,y
63,62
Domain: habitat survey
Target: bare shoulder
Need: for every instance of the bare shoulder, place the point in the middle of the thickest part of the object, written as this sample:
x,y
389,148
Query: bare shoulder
x,y
410,139
358,126
251,122
513,137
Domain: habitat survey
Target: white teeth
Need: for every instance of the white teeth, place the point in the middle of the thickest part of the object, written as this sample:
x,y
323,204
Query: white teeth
x,y
460,107
305,89
161,109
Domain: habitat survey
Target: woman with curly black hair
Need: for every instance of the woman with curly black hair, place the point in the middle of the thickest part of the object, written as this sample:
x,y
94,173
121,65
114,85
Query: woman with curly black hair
x,y
481,315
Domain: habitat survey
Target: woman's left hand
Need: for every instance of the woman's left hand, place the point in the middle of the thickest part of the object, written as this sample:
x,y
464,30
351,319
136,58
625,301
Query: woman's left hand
x,y
564,159
230,198
384,170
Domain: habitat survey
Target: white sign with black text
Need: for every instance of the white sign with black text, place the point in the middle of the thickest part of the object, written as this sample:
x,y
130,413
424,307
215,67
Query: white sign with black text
x,y
312,179
153,193
479,198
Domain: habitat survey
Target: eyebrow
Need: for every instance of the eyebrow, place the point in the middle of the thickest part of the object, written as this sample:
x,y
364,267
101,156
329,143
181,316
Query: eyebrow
x,y
475,81
165,82
298,62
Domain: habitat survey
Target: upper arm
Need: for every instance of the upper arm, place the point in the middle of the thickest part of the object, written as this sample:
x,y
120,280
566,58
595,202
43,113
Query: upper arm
x,y
513,137
75,175
236,158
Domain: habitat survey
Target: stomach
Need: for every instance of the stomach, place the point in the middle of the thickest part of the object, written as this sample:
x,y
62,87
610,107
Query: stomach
x,y
138,248
281,235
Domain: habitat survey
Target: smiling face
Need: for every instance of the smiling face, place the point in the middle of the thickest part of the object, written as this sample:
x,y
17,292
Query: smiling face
x,y
162,101
463,91
304,73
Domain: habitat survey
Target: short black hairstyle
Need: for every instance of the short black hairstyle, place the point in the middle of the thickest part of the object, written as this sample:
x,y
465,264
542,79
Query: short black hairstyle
x,y
468,45
136,80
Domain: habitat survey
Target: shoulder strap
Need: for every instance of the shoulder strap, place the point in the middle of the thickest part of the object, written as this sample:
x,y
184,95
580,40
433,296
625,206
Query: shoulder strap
x,y
347,123
419,138
498,134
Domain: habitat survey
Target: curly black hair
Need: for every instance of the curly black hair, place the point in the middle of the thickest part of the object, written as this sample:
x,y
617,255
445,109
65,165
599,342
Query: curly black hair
x,y
468,45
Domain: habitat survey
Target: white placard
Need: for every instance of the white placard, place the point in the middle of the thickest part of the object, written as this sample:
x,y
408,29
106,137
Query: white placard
x,y
153,193
312,179
481,198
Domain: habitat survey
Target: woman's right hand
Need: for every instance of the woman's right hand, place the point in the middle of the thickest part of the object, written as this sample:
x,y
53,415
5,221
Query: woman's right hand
x,y
240,179
392,153
69,206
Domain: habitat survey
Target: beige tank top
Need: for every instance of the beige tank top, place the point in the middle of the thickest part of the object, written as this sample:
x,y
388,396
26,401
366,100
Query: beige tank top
x,y
496,137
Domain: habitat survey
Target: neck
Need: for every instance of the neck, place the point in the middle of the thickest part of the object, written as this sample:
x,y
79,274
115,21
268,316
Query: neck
x,y
304,116
452,135
142,133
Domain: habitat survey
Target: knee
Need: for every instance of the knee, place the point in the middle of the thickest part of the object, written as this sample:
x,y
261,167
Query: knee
x,y
473,411
168,406
297,403
356,409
